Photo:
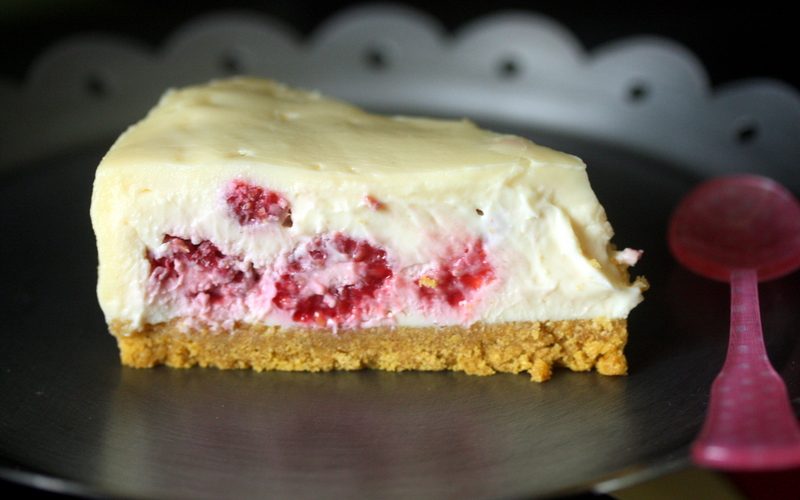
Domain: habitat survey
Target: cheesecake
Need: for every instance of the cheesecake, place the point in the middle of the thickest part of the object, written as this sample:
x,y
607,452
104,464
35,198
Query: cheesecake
x,y
246,224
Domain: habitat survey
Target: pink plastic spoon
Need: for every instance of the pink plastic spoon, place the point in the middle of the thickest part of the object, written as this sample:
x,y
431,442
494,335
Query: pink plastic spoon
x,y
741,229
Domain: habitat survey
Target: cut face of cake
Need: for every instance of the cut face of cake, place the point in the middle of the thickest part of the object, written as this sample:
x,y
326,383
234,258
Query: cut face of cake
x,y
244,224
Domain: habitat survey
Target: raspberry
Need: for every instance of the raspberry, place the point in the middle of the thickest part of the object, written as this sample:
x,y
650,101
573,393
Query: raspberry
x,y
456,280
374,203
344,297
201,269
251,204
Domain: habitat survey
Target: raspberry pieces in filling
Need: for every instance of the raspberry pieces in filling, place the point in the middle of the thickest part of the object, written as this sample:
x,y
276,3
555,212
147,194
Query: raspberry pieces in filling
x,y
457,278
251,204
333,280
200,273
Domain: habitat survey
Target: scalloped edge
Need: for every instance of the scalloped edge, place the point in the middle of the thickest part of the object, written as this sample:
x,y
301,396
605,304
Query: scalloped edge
x,y
646,93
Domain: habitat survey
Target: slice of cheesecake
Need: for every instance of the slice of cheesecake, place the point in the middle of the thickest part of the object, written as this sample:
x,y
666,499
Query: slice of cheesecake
x,y
245,224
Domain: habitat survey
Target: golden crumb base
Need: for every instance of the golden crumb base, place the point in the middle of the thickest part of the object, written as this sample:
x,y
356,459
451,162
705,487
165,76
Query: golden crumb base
x,y
480,349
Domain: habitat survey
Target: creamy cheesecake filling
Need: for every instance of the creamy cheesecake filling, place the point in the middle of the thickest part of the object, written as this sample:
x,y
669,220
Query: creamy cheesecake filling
x,y
217,266
213,208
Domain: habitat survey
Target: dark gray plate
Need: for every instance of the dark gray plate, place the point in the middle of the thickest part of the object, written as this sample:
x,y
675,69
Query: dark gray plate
x,y
72,419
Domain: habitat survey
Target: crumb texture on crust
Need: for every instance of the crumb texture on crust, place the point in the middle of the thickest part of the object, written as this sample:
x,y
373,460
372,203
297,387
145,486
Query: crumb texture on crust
x,y
480,349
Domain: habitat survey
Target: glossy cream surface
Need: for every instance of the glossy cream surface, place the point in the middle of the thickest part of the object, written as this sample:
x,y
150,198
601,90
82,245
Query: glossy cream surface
x,y
420,189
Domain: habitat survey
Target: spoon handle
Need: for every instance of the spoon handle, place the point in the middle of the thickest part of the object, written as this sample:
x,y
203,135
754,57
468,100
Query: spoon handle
x,y
750,424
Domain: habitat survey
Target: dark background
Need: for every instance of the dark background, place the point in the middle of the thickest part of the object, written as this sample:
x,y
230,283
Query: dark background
x,y
733,43
754,40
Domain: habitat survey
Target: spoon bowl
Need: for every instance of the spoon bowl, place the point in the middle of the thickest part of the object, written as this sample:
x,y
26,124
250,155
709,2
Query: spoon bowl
x,y
737,222
742,229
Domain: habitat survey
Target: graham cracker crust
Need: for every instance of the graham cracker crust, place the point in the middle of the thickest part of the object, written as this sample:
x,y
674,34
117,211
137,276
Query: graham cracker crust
x,y
479,349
